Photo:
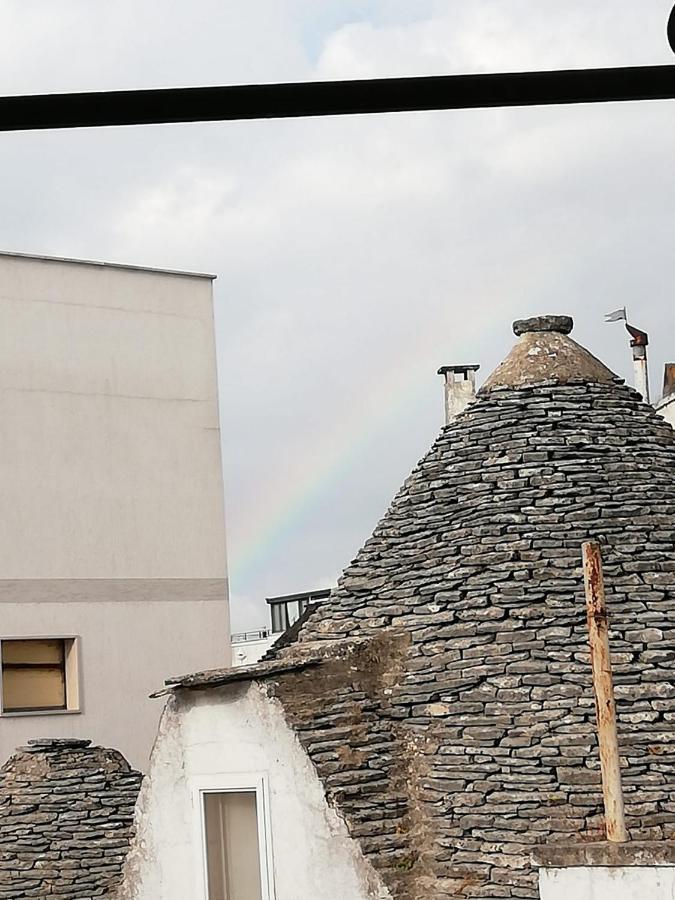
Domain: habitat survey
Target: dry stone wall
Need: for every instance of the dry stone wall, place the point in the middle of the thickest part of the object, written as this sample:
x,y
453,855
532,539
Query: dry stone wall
x,y
66,812
478,563
342,713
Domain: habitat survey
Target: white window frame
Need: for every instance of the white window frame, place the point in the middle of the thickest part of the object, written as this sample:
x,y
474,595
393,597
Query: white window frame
x,y
73,662
254,782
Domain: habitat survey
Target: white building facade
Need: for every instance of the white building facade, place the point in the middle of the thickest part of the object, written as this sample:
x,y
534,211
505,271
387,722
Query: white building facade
x,y
112,538
274,834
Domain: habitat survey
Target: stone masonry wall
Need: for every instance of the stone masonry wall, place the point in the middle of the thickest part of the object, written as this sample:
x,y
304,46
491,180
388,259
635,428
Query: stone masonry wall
x,y
343,715
478,563
66,812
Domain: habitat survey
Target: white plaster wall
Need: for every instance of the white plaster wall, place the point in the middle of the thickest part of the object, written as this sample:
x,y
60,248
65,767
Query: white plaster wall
x,y
127,650
234,732
666,408
109,434
246,653
605,883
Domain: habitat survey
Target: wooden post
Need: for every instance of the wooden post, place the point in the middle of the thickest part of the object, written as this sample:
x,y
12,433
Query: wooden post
x,y
603,687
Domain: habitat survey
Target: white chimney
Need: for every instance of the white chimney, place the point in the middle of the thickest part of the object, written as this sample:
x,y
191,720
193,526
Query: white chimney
x,y
460,388
639,342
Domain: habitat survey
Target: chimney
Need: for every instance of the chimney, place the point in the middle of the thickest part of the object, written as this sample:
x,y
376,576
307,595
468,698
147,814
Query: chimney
x,y
639,342
460,388
668,380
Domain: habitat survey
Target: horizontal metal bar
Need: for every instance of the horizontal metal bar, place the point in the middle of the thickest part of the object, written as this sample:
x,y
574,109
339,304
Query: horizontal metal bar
x,y
241,637
335,98
318,594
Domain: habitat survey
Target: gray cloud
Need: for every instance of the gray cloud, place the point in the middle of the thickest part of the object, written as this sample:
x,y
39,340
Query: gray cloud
x,y
354,255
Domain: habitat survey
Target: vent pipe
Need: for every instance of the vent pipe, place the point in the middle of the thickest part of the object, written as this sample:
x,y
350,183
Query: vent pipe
x,y
460,388
639,342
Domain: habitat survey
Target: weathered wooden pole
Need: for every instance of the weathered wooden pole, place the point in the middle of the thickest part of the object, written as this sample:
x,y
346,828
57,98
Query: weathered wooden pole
x,y
603,687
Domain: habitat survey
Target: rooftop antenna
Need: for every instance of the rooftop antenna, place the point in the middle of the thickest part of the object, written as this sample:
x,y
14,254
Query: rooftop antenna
x,y
639,342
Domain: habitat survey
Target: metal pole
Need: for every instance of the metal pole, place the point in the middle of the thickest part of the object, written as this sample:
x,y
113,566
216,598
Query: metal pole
x,y
336,98
598,635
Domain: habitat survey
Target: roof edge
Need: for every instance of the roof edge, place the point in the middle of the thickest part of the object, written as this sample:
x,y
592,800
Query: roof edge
x,y
214,678
41,257
605,853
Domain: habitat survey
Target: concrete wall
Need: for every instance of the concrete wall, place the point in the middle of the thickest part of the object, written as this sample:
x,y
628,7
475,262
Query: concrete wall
x,y
246,653
666,408
608,883
232,733
110,451
126,651
110,485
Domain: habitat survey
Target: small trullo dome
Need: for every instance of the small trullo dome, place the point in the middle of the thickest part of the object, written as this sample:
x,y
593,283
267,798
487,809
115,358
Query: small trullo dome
x,y
463,734
66,813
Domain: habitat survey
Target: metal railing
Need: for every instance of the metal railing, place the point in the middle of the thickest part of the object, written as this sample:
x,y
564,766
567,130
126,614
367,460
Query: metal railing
x,y
241,636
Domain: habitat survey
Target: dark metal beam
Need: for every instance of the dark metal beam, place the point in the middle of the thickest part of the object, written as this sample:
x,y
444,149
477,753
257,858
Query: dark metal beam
x,y
335,98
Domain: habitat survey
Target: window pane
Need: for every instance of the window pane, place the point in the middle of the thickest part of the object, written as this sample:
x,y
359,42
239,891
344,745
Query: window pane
x,y
42,688
232,851
32,652
279,617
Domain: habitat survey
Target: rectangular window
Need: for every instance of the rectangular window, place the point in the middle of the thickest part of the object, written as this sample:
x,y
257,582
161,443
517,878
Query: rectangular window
x,y
279,617
232,846
292,611
38,675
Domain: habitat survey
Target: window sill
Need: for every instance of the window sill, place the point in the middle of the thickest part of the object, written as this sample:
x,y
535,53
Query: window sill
x,y
40,712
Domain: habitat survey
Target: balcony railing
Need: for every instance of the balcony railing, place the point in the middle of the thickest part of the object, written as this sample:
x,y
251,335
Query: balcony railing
x,y
241,637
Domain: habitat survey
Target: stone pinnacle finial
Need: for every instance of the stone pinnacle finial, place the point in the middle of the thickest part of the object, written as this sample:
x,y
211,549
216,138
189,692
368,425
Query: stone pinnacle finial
x,y
561,324
545,352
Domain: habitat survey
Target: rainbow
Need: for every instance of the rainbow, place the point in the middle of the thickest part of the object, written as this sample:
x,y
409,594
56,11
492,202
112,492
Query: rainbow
x,y
299,491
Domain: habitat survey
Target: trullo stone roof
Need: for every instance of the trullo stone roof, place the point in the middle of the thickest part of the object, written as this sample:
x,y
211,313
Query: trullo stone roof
x,y
66,818
453,722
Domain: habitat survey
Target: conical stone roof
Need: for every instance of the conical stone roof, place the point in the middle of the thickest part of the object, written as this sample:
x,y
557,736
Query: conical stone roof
x,y
475,725
545,353
66,816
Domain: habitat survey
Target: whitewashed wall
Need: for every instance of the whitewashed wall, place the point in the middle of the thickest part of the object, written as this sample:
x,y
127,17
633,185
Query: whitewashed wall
x,y
608,883
666,408
231,733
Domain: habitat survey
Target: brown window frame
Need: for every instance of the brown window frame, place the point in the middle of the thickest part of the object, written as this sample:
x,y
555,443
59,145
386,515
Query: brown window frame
x,y
69,674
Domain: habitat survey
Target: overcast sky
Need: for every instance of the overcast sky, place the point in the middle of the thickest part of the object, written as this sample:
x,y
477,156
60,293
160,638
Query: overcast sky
x,y
354,256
